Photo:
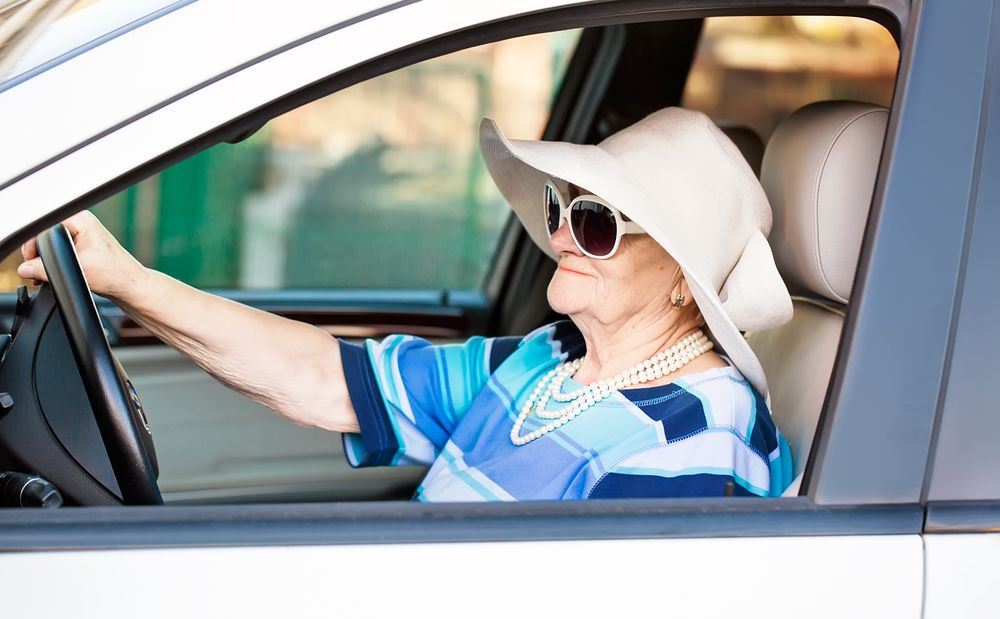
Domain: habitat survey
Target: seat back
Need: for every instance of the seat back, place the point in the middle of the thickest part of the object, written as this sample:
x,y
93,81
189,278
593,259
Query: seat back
x,y
819,173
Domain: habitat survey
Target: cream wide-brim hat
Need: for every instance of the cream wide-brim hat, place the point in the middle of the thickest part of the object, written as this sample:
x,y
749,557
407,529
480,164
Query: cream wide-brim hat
x,y
678,176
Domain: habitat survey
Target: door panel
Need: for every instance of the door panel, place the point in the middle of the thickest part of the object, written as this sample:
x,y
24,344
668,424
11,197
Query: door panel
x,y
215,445
849,576
962,575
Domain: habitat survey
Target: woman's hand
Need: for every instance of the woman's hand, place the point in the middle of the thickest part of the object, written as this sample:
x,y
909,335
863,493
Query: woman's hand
x,y
110,270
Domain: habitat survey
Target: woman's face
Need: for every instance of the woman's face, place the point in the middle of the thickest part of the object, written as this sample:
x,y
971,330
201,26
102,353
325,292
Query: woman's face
x,y
637,279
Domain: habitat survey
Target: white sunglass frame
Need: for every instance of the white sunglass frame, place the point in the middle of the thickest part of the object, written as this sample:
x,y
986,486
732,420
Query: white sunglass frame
x,y
622,226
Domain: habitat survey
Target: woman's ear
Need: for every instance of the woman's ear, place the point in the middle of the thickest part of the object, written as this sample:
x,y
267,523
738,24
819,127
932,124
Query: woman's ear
x,y
686,291
681,290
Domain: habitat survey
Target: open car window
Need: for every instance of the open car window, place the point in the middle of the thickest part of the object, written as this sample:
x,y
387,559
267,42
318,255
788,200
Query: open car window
x,y
377,186
380,187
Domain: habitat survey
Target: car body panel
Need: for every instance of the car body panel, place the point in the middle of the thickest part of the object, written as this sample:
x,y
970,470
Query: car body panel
x,y
876,576
962,575
75,32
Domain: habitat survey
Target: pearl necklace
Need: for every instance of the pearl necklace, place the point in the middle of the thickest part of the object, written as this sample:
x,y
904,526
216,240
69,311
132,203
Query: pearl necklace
x,y
550,385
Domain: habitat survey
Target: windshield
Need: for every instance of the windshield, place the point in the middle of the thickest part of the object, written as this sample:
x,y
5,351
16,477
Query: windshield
x,y
37,34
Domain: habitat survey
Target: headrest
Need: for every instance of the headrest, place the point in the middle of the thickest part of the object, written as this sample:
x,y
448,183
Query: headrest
x,y
819,174
749,143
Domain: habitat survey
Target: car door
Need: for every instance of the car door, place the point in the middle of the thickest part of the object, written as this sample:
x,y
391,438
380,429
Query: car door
x,y
851,541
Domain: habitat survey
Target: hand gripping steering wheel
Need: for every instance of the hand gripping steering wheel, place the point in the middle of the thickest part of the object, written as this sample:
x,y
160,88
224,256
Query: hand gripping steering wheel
x,y
119,420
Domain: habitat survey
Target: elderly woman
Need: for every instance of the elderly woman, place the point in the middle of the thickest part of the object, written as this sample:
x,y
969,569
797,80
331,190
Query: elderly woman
x,y
658,234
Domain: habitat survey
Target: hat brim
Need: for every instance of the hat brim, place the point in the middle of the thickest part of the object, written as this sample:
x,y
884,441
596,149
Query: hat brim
x,y
520,169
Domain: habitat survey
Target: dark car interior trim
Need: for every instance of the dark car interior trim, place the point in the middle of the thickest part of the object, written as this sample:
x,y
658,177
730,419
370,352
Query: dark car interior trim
x,y
386,523
341,312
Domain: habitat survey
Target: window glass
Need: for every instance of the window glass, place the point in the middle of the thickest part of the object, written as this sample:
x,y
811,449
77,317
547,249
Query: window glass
x,y
378,186
756,71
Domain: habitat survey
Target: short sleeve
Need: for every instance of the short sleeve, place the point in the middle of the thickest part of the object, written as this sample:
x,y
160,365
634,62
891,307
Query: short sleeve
x,y
409,394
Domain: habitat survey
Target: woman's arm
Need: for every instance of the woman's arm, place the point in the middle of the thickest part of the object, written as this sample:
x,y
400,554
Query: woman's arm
x,y
290,367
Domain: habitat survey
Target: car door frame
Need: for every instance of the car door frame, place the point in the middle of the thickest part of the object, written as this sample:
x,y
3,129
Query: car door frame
x,y
850,489
961,490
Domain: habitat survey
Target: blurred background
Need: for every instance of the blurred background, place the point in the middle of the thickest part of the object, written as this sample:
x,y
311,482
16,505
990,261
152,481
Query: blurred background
x,y
381,185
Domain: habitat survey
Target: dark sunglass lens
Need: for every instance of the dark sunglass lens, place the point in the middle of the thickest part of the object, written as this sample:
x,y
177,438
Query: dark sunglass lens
x,y
551,210
594,227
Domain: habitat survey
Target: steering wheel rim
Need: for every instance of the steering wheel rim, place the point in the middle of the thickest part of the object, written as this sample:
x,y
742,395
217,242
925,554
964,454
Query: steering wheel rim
x,y
106,387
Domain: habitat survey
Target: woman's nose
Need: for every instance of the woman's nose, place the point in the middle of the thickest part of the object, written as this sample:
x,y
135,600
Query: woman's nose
x,y
562,241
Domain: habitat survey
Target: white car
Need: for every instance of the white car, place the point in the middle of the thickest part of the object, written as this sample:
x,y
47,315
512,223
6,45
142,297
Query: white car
x,y
886,219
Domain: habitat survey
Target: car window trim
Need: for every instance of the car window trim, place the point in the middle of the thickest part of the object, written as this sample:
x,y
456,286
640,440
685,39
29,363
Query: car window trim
x,y
404,522
962,517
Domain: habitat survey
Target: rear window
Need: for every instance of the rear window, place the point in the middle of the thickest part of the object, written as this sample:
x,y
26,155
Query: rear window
x,y
755,71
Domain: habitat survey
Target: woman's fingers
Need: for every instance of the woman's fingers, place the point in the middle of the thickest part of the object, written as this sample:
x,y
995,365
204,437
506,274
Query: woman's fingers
x,y
79,222
29,249
100,255
32,269
75,225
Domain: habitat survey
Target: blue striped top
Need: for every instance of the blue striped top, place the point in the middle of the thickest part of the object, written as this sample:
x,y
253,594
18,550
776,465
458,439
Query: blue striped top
x,y
452,407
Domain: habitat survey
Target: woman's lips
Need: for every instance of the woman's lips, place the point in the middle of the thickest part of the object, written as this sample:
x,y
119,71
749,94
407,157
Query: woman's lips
x,y
566,268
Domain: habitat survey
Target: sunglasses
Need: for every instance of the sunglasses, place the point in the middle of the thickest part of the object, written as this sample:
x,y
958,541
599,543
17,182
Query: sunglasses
x,y
597,227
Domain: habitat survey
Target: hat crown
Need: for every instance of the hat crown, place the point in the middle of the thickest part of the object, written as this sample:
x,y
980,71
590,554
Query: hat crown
x,y
705,193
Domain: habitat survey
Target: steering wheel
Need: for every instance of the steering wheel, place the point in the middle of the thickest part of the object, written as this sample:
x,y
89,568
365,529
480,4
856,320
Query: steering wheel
x,y
116,408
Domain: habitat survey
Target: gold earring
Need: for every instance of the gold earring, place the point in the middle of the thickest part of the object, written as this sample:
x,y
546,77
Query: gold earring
x,y
678,301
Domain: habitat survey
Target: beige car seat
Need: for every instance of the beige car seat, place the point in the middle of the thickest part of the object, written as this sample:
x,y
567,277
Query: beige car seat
x,y
819,172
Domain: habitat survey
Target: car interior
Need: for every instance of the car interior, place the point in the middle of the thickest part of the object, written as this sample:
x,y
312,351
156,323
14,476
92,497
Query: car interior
x,y
76,419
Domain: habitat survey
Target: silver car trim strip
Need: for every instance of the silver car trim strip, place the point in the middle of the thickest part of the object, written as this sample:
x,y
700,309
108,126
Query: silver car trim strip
x,y
404,522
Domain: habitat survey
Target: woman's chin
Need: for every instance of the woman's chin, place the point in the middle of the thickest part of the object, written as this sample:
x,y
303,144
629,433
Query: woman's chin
x,y
564,299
